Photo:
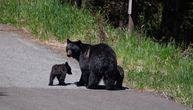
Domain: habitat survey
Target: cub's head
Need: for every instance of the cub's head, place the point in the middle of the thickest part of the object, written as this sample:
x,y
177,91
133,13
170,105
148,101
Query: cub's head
x,y
68,68
73,49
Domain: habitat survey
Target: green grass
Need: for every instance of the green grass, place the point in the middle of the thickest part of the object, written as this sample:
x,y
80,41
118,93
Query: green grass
x,y
148,65
46,18
160,67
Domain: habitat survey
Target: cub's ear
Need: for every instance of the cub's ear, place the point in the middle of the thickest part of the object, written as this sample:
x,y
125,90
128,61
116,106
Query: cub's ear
x,y
66,63
68,41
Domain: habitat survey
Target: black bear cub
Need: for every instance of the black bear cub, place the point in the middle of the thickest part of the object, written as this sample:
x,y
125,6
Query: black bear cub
x,y
96,62
59,71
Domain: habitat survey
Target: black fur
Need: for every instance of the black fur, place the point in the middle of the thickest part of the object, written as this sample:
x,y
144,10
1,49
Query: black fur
x,y
120,77
96,62
59,71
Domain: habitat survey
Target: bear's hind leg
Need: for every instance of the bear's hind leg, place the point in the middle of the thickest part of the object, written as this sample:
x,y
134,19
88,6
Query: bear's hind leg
x,y
119,82
109,83
60,80
120,77
51,79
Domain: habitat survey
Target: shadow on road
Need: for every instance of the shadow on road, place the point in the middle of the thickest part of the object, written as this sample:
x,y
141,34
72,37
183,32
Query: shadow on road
x,y
102,87
99,87
3,94
66,84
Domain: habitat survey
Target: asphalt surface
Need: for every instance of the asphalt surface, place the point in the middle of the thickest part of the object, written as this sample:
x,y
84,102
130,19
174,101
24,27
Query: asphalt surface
x,y
24,73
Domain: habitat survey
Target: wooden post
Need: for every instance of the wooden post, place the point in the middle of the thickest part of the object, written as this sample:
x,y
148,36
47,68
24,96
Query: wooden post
x,y
130,21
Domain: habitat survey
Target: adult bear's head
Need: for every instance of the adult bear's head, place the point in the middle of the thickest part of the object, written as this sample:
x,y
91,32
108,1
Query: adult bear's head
x,y
73,49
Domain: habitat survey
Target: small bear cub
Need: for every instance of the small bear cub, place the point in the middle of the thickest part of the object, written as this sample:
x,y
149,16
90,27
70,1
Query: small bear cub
x,y
59,71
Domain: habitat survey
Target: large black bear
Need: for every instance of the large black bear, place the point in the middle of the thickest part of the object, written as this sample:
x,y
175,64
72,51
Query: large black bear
x,y
59,71
96,62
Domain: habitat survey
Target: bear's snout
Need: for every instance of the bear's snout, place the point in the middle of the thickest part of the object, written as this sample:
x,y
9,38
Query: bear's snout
x,y
69,53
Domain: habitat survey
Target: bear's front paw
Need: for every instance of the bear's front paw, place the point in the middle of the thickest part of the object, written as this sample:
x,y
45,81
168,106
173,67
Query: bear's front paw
x,y
79,83
50,84
61,83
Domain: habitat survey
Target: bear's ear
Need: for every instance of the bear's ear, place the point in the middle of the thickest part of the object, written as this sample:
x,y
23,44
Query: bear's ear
x,y
66,63
68,41
79,41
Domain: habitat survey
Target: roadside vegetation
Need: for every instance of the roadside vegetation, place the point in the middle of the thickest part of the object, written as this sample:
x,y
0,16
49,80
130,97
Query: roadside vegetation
x,y
148,65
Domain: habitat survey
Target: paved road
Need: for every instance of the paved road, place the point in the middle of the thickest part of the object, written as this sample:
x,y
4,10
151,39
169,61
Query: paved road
x,y
24,73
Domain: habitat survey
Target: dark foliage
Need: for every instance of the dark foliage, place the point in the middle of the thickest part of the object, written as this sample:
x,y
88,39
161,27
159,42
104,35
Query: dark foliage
x,y
161,19
177,20
114,10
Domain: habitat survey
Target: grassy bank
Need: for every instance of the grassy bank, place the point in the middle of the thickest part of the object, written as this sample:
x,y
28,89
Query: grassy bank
x,y
148,65
151,66
47,18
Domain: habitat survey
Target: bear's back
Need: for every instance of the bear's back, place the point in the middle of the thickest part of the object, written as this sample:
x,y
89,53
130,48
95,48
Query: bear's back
x,y
103,49
102,56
